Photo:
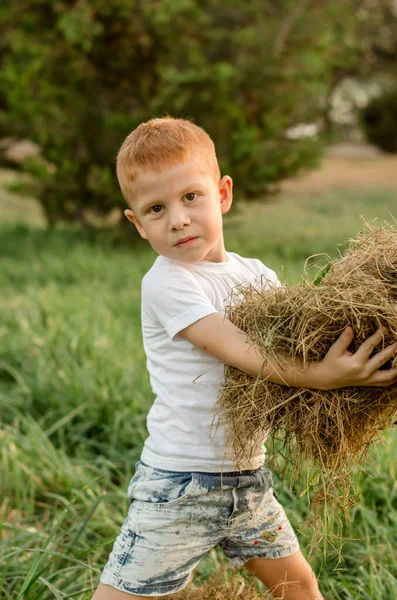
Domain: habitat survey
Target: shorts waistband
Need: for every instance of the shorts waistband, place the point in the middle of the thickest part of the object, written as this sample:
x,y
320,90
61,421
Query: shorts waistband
x,y
217,474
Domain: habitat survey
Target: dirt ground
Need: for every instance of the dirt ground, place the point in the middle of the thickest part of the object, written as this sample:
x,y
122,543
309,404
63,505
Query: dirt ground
x,y
348,165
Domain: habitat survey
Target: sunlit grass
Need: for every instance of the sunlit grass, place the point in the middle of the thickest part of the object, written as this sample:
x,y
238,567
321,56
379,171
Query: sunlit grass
x,y
74,393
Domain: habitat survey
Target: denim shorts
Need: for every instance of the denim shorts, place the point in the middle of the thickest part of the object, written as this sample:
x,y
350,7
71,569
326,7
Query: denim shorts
x,y
175,518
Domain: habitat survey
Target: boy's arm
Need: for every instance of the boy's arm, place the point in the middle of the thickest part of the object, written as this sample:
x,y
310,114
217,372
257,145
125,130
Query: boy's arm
x,y
219,337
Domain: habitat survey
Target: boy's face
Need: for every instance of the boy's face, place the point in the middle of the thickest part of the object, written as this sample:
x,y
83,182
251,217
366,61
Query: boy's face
x,y
182,202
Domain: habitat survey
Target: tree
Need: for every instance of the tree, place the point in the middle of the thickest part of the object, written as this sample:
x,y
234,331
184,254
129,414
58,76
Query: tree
x,y
76,77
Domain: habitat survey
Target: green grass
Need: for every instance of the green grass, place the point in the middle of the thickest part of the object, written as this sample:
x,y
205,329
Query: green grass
x,y
74,394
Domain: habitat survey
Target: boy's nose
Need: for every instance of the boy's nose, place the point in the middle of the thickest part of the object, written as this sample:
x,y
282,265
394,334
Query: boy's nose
x,y
178,220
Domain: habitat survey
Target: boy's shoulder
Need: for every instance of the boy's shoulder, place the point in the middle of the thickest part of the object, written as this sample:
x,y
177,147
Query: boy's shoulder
x,y
258,268
164,276
254,263
162,265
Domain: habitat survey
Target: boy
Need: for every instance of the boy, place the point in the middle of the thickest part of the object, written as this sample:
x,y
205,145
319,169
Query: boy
x,y
187,495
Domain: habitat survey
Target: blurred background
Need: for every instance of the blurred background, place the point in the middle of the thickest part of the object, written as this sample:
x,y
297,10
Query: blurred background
x,y
300,98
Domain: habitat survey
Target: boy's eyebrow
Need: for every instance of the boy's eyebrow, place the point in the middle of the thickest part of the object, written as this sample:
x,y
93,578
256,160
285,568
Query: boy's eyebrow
x,y
182,192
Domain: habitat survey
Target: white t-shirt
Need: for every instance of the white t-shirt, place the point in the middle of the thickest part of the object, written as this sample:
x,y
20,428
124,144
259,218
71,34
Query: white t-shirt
x,y
186,380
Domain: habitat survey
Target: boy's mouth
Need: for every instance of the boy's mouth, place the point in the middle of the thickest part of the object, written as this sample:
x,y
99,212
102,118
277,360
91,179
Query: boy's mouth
x,y
185,241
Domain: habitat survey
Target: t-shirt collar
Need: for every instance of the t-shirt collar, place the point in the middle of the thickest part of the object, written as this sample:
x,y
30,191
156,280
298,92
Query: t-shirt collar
x,y
221,268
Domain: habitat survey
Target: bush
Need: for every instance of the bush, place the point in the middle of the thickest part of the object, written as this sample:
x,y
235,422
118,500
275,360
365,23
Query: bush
x,y
379,120
77,77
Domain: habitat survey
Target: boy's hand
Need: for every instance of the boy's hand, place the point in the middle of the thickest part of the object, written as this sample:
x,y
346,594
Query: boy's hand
x,y
341,368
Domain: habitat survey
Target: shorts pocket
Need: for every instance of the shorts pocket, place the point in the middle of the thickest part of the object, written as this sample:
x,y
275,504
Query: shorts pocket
x,y
162,490
171,491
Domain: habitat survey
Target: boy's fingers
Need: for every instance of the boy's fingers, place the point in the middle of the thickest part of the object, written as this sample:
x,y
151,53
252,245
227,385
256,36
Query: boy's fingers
x,y
367,347
384,378
339,347
382,357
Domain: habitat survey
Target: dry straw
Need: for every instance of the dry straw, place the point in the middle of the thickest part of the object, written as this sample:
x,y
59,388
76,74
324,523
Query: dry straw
x,y
219,587
329,431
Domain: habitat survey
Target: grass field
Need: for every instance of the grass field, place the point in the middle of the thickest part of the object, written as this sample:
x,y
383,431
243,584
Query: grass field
x,y
74,394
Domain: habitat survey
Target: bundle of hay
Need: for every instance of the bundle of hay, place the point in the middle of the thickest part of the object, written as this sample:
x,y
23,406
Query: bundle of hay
x,y
328,430
218,588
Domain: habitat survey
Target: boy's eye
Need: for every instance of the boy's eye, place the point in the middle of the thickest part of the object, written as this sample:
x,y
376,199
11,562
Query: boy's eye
x,y
157,208
190,196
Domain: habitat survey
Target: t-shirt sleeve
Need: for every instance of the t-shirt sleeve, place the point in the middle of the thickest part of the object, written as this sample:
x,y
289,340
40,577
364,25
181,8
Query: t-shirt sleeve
x,y
175,299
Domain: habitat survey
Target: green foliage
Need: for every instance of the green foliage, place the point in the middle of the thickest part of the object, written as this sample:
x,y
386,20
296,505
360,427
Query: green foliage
x,y
379,119
77,77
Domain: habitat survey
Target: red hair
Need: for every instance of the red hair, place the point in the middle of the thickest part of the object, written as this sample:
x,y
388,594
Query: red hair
x,y
162,143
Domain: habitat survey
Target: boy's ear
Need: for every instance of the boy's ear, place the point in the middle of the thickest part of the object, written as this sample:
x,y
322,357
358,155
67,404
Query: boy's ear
x,y
226,193
131,217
